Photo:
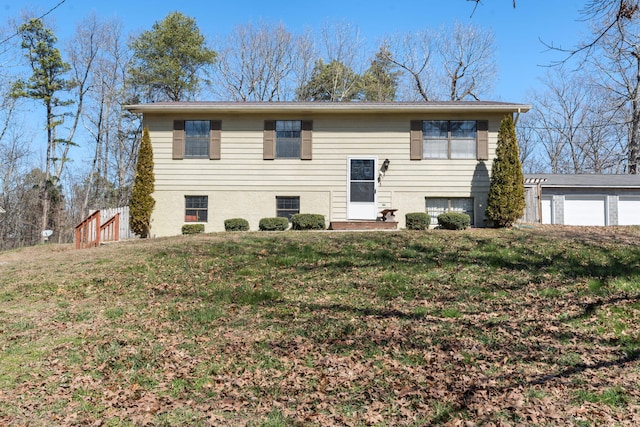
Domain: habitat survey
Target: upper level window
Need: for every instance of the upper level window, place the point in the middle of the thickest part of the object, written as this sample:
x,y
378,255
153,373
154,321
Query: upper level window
x,y
196,138
449,139
288,139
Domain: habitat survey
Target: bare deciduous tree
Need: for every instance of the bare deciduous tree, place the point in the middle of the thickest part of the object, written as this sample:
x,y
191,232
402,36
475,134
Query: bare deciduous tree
x,y
618,64
103,116
306,53
15,228
562,114
574,127
605,137
527,144
452,64
257,63
468,63
341,41
478,2
412,53
614,48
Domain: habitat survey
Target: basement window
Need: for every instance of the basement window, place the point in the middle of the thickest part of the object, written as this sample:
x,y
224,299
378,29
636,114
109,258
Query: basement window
x,y
196,208
439,205
287,206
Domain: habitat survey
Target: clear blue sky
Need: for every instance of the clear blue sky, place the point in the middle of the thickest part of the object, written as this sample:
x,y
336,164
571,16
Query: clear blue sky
x,y
520,54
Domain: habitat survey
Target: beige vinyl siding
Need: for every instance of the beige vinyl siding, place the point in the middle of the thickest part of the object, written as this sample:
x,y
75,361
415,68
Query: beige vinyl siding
x,y
245,184
339,204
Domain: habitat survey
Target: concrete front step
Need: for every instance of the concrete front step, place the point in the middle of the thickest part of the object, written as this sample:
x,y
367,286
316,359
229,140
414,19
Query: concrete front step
x,y
363,225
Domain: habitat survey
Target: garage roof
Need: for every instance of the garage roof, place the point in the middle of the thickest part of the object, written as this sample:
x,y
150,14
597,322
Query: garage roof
x,y
583,180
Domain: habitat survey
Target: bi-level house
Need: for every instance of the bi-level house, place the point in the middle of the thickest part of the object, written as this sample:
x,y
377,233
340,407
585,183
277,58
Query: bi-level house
x,y
346,161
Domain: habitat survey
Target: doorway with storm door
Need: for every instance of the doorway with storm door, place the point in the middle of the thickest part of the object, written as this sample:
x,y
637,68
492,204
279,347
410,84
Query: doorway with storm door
x,y
361,188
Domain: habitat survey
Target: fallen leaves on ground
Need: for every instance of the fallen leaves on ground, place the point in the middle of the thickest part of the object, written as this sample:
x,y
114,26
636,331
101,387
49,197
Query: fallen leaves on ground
x,y
485,327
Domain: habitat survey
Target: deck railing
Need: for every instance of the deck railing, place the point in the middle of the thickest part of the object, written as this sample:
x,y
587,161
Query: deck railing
x,y
91,232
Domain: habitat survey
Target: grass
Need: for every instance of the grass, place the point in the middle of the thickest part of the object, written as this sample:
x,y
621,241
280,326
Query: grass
x,y
503,327
611,396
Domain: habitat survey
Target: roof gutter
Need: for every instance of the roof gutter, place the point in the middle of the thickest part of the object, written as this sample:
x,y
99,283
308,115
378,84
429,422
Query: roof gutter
x,y
326,107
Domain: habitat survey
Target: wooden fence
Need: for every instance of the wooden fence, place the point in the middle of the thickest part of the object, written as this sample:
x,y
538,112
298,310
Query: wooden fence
x,y
125,230
107,225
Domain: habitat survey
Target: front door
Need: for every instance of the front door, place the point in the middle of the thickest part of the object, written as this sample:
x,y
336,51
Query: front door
x,y
361,188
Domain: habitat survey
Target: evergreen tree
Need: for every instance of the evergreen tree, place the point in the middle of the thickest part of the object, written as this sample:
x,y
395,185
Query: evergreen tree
x,y
142,203
380,81
333,82
506,200
169,59
46,82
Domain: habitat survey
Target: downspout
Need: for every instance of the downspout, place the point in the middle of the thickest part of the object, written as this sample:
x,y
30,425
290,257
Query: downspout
x,y
515,122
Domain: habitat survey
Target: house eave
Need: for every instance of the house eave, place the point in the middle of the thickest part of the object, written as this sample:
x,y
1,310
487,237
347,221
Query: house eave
x,y
329,107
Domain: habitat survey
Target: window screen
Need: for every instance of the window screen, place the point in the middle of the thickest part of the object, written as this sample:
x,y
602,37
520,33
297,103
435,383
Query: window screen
x,y
196,138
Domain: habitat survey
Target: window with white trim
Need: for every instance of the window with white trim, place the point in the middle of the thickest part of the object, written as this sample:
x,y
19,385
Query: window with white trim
x,y
196,138
439,205
288,139
449,139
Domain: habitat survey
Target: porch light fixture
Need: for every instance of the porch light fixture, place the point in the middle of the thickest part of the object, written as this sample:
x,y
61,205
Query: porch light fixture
x,y
385,166
383,169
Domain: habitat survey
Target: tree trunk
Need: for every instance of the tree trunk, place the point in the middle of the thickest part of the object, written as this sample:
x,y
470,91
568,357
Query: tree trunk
x,y
47,173
634,139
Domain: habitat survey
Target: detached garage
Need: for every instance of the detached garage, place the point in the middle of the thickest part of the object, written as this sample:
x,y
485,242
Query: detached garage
x,y
582,199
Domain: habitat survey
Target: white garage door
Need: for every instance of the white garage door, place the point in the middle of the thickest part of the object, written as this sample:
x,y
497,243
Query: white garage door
x,y
584,210
629,210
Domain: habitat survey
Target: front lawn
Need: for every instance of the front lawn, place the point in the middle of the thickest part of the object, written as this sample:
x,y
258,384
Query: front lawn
x,y
504,327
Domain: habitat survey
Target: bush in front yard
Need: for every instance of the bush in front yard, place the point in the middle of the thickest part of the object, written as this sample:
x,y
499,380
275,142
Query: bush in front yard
x,y
417,220
273,224
307,222
236,224
192,229
454,221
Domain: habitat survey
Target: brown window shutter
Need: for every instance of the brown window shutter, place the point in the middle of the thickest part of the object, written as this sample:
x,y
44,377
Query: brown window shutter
x,y
416,140
269,142
178,139
305,147
482,139
215,136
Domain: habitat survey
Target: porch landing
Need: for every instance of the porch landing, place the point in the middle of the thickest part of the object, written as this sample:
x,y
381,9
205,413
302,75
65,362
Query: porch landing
x,y
363,225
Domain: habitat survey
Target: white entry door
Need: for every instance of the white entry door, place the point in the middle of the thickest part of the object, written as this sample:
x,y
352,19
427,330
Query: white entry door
x,y
547,210
361,188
